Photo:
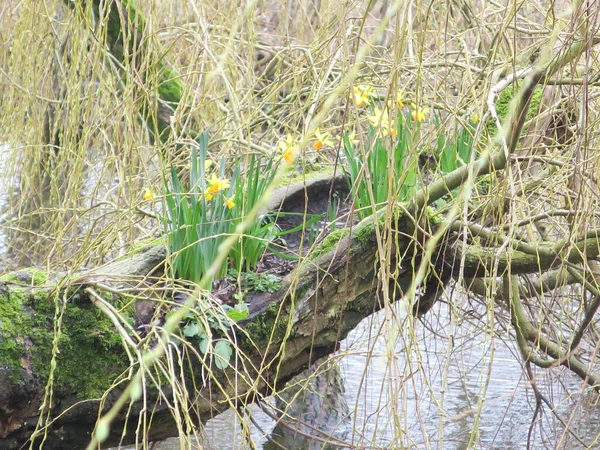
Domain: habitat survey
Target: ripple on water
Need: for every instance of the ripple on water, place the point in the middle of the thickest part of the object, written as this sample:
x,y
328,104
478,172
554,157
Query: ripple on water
x,y
484,384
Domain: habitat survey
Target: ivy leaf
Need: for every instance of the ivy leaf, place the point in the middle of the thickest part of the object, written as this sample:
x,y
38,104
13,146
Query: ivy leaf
x,y
223,353
238,313
192,329
203,345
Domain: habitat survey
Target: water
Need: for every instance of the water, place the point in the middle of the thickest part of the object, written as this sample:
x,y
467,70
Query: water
x,y
487,402
4,187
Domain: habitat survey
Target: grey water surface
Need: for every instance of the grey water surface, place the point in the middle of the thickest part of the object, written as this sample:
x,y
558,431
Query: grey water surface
x,y
487,402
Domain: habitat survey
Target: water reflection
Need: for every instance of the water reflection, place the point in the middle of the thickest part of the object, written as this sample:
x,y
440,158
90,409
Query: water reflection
x,y
474,396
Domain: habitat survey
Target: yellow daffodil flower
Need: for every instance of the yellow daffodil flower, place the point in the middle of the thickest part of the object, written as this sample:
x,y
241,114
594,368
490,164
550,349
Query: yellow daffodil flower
x,y
287,147
362,95
208,196
419,114
289,155
208,164
323,139
149,194
475,118
217,184
352,137
380,119
229,202
399,97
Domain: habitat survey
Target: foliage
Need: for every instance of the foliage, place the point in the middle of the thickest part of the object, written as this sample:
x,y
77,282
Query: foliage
x,y
455,151
250,247
201,216
85,98
200,323
196,226
264,282
388,166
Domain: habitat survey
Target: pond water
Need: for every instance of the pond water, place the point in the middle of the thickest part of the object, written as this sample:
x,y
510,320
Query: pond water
x,y
487,402
4,186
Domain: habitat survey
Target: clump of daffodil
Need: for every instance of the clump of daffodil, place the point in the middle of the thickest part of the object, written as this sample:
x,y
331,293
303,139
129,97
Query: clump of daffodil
x,y
217,184
149,194
419,114
475,118
362,95
380,119
287,148
323,140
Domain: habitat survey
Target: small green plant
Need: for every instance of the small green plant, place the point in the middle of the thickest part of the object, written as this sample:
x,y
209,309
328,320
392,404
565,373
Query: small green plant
x,y
456,151
204,316
264,282
202,214
250,247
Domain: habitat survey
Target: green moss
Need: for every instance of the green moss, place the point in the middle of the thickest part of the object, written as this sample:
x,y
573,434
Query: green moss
x,y
142,244
366,232
433,216
171,87
309,171
268,327
90,355
330,242
503,105
26,277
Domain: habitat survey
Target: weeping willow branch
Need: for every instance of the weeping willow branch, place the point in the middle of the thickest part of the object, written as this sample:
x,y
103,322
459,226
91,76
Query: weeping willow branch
x,y
526,333
539,257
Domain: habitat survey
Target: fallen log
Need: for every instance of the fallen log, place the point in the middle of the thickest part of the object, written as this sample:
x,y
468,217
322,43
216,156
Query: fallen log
x,y
85,362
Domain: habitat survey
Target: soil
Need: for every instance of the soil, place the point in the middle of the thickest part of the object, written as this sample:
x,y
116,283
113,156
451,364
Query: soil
x,y
323,195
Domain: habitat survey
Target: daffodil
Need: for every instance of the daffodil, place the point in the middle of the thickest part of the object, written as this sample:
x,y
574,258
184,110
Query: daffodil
x,y
217,184
229,202
475,118
287,147
380,119
352,137
208,164
289,156
419,114
208,197
149,194
399,97
362,95
323,139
